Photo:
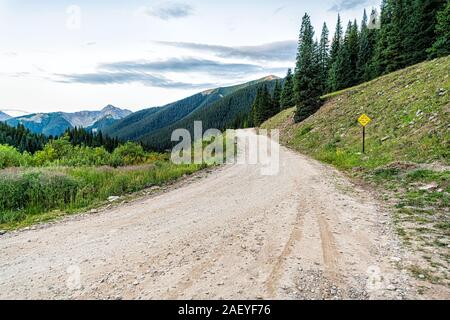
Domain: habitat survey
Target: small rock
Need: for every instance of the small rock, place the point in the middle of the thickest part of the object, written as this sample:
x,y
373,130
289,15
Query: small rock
x,y
429,187
113,198
135,283
395,259
2,232
391,288
421,276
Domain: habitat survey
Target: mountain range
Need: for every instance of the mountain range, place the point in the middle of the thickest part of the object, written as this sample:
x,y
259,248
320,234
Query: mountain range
x,y
218,108
56,123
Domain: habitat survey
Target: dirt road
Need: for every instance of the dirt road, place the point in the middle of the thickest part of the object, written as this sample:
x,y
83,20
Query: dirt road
x,y
304,233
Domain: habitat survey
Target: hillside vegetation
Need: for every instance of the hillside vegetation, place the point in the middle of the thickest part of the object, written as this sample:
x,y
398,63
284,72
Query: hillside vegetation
x,y
407,150
63,178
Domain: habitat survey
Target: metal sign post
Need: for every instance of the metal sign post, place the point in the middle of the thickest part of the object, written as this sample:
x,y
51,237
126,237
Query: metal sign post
x,y
364,120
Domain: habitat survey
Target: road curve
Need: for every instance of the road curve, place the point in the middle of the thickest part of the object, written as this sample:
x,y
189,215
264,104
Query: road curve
x,y
304,233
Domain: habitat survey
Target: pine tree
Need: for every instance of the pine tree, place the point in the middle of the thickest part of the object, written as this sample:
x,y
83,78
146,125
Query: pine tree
x,y
396,51
334,53
276,100
307,77
263,106
407,32
287,95
266,107
364,53
381,60
441,46
423,34
256,112
324,57
337,41
353,48
367,42
344,70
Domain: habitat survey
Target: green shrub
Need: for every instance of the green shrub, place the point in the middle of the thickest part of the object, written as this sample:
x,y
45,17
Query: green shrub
x,y
10,157
34,192
86,156
129,154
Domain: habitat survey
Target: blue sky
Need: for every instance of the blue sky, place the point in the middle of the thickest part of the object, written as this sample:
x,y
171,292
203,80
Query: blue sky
x,y
71,55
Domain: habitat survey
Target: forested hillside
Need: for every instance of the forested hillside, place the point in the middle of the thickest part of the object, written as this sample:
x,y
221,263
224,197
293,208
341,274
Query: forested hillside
x,y
218,108
402,34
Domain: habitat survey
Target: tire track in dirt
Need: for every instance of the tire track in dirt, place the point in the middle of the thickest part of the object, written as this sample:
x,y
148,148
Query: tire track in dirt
x,y
329,251
276,273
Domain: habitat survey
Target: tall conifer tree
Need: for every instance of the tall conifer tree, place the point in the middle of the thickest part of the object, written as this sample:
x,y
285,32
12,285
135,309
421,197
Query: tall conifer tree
x,y
287,95
324,56
276,100
307,85
441,46
334,54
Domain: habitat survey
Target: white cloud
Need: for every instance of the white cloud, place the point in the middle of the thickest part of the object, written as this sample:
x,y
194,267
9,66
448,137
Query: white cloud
x,y
168,10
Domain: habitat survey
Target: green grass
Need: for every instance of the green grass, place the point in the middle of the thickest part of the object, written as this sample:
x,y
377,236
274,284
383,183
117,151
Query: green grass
x,y
408,138
33,195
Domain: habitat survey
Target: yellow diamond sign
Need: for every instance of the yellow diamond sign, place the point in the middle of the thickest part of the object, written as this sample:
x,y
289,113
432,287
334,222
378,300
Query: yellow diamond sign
x,y
364,120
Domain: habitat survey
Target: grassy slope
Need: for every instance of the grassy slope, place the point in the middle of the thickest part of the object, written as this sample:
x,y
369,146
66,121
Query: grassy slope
x,y
407,150
34,195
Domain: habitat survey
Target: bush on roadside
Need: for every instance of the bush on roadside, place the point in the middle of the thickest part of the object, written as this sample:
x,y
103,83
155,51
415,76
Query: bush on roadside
x,y
26,192
10,157
30,192
129,154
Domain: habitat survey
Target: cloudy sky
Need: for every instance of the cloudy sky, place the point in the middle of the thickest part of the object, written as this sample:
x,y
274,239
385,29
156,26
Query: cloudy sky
x,y
58,55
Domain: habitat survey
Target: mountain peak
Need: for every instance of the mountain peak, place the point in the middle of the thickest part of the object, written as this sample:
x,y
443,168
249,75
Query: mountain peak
x,y
115,112
270,78
4,116
110,107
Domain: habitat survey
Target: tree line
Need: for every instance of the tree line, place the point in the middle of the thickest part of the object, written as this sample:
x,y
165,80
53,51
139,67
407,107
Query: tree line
x,y
82,137
404,33
24,140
